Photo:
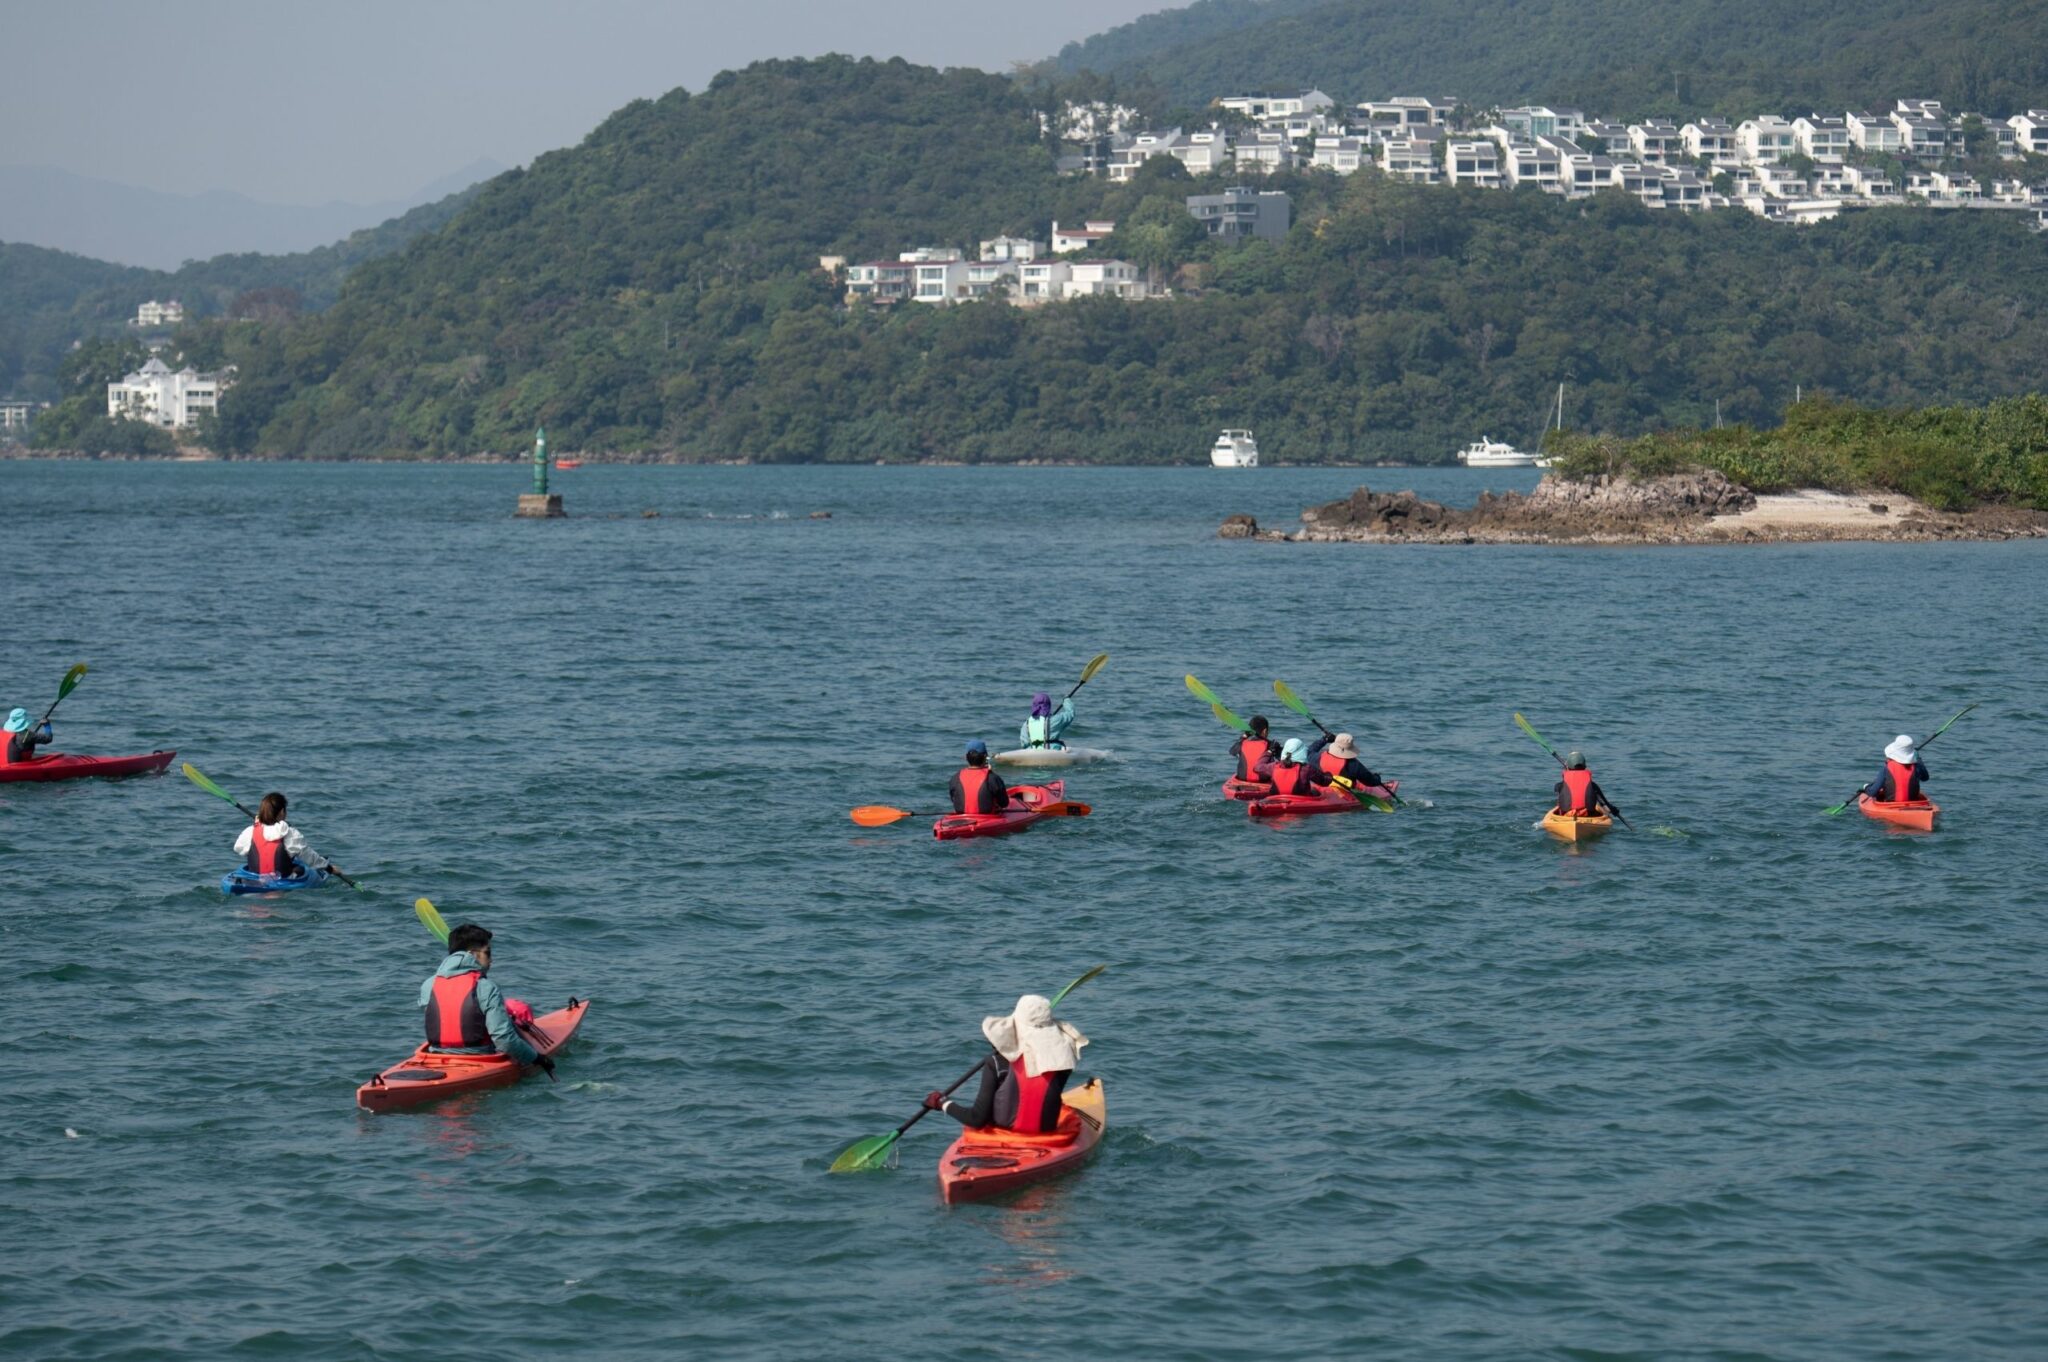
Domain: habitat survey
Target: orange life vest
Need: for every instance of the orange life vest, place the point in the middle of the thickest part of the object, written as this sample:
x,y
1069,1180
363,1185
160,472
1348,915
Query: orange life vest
x,y
267,857
973,780
1901,782
1038,1098
1578,792
1250,752
454,1019
1291,780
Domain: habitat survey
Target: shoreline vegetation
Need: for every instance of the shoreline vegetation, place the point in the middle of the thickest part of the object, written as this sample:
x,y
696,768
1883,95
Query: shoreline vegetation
x,y
1832,471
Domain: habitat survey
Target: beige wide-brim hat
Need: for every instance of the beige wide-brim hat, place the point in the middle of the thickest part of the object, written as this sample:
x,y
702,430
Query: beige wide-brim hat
x,y
1343,746
1031,1032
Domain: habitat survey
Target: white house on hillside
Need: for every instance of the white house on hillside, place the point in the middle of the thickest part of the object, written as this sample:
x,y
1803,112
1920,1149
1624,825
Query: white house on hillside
x,y
1279,106
154,313
172,400
1067,240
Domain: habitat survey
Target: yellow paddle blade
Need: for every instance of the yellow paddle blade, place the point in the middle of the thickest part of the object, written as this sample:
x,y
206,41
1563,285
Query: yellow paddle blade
x,y
878,815
1094,665
431,919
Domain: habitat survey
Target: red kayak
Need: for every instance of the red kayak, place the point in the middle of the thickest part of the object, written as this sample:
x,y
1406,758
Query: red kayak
x,y
1917,814
60,766
1336,801
1247,789
987,1162
1026,801
429,1077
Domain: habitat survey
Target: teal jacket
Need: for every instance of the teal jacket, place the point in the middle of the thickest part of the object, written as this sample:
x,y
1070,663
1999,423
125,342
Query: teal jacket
x,y
1056,724
505,1038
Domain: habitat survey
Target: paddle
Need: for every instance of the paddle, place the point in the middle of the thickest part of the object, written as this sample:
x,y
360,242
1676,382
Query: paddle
x,y
1362,795
881,815
1094,665
64,688
1922,747
192,774
430,917
1294,702
1524,725
1216,706
862,1155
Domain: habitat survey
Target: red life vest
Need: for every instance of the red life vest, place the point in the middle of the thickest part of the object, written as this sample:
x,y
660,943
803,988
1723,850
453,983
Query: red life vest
x,y
1038,1099
1250,752
267,857
454,1020
1901,783
972,780
7,747
1332,764
1289,780
1578,792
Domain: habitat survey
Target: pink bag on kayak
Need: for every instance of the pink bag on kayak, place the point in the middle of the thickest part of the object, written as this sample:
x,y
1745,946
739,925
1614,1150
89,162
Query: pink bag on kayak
x,y
519,1012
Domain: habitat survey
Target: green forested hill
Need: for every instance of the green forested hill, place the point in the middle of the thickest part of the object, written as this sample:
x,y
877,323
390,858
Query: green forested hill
x,y
48,299
655,289
1622,58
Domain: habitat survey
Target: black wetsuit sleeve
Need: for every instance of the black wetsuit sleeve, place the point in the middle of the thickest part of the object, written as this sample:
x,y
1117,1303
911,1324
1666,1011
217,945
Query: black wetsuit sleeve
x,y
1596,797
1319,744
981,1112
956,794
998,793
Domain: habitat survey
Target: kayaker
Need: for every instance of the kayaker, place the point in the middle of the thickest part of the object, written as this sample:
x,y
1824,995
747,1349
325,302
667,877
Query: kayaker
x,y
1898,783
280,850
1046,725
22,742
1578,794
1021,1082
1338,756
465,1012
1254,751
976,788
1291,774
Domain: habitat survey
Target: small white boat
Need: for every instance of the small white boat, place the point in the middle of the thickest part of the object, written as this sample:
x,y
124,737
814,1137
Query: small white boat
x,y
1234,449
1485,453
1049,756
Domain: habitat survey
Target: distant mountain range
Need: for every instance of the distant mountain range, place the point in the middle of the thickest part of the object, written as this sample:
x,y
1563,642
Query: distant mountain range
x,y
125,224
1620,58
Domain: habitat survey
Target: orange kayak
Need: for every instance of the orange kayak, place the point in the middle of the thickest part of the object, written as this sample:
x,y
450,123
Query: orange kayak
x,y
1917,814
1576,827
983,1163
1334,801
429,1077
1247,789
1025,803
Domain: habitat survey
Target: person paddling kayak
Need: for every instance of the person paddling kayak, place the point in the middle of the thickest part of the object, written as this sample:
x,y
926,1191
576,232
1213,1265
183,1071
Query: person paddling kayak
x,y
1021,1082
1338,756
1291,774
1255,751
466,1014
22,742
1578,794
1047,725
976,788
272,846
1899,782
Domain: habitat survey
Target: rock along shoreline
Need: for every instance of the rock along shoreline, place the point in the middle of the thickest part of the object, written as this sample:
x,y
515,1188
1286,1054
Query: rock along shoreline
x,y
1702,507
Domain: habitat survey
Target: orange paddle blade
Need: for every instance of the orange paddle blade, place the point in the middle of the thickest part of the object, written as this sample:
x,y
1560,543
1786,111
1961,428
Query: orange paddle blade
x,y
1066,809
878,815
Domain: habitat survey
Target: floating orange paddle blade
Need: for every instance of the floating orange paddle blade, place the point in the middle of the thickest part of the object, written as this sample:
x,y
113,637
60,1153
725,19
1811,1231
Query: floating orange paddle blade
x,y
878,815
1066,809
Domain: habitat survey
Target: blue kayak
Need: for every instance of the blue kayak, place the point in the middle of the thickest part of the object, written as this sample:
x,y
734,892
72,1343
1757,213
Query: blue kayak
x,y
240,881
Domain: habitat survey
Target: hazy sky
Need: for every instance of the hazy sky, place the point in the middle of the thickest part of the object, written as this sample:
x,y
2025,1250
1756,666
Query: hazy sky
x,y
367,100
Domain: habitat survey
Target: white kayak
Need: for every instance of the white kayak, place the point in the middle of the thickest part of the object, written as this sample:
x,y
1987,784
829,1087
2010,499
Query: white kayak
x,y
1050,756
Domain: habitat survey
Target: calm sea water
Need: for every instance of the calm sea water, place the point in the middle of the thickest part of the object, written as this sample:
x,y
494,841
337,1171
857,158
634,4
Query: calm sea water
x,y
1748,1083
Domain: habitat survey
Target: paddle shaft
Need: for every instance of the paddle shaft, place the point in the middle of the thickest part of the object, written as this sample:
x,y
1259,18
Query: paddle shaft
x,y
923,1112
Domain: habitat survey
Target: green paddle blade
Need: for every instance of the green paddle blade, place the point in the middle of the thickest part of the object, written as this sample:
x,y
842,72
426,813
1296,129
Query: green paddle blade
x,y
1524,725
866,1155
1229,720
430,918
71,680
192,774
1202,692
1057,997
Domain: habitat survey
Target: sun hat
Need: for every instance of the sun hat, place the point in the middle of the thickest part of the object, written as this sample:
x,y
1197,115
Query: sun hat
x,y
1343,746
1901,750
1031,1032
1041,705
17,722
1575,761
1294,749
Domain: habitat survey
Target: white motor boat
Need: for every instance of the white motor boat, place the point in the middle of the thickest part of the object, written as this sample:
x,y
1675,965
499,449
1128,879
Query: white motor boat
x,y
1234,449
1484,453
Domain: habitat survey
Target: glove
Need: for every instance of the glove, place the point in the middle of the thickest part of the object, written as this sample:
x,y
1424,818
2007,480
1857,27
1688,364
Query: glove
x,y
546,1062
934,1100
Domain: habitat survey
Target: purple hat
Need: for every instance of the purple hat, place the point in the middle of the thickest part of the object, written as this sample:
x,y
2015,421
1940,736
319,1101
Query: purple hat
x,y
1041,705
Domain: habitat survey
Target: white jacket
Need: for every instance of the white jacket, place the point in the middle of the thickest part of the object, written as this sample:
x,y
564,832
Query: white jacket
x,y
294,845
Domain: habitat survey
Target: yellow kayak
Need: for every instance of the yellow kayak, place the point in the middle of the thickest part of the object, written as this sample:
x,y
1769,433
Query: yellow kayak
x,y
1574,827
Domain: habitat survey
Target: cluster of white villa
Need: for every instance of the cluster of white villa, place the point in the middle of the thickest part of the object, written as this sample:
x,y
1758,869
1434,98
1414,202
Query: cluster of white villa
x,y
156,394
154,313
1012,268
1795,170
